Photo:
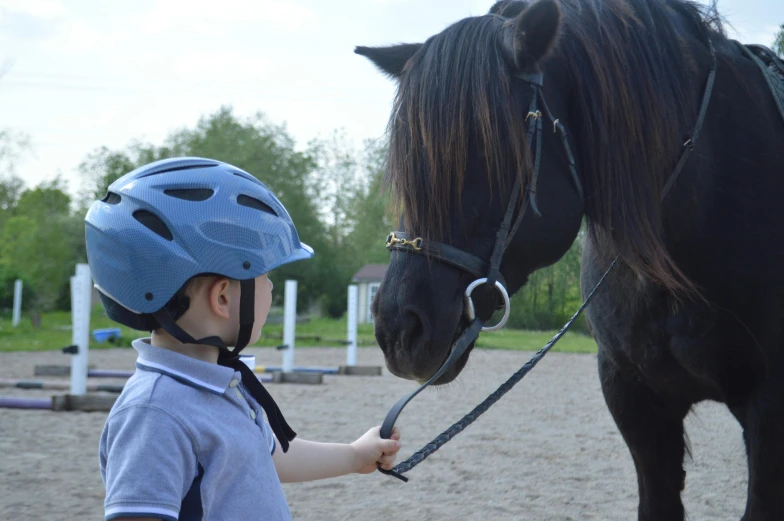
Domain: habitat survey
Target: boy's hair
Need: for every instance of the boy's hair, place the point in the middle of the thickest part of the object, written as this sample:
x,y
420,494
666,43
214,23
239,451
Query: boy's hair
x,y
181,301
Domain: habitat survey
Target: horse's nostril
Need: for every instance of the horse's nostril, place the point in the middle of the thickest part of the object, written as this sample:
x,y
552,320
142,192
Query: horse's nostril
x,y
414,331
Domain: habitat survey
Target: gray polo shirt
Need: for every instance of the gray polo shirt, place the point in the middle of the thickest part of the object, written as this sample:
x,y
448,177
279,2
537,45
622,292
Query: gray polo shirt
x,y
185,440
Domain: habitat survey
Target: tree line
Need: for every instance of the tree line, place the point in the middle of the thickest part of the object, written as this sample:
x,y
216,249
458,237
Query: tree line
x,y
332,191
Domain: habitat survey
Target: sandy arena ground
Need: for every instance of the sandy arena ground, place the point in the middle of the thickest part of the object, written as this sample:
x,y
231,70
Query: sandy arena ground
x,y
548,450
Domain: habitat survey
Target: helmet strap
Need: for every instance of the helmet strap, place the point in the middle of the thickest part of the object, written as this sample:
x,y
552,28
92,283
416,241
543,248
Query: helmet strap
x,y
166,321
247,314
230,358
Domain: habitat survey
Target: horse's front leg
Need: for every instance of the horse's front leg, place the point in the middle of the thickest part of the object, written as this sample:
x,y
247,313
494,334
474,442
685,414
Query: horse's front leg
x,y
762,418
653,431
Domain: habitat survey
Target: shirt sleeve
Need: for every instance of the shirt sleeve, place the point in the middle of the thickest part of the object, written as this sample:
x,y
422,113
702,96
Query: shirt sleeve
x,y
149,464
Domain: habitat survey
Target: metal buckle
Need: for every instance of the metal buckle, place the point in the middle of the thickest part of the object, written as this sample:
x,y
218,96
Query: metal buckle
x,y
535,115
469,303
393,240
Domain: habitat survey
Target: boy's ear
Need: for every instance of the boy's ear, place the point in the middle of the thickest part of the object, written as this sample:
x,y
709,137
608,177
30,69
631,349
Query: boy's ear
x,y
219,293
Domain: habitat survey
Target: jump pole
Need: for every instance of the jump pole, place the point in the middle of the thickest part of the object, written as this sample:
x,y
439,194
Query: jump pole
x,y
11,402
56,385
64,402
64,370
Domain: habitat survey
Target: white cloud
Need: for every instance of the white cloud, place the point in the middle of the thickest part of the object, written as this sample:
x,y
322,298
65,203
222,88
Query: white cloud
x,y
74,34
224,65
36,8
763,36
205,15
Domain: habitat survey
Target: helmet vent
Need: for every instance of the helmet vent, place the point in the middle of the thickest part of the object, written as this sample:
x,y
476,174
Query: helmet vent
x,y
179,166
252,202
190,194
111,198
248,177
154,223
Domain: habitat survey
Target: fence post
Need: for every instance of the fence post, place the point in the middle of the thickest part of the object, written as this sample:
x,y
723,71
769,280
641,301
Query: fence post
x,y
351,355
81,292
17,302
289,324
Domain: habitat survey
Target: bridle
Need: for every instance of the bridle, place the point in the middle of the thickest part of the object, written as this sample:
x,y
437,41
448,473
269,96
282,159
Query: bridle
x,y
488,272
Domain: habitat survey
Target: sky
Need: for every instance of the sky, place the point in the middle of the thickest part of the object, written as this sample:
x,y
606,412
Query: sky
x,y
80,74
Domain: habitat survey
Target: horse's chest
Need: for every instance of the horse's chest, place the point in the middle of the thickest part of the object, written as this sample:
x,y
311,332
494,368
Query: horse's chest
x,y
674,350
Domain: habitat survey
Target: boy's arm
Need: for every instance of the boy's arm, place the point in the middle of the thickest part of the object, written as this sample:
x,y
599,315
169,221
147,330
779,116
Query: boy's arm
x,y
310,460
148,462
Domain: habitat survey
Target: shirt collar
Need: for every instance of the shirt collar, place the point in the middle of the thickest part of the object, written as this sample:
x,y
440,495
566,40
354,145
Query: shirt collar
x,y
196,373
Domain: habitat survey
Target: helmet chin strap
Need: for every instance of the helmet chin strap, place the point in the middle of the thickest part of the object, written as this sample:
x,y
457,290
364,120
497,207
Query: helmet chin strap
x,y
230,358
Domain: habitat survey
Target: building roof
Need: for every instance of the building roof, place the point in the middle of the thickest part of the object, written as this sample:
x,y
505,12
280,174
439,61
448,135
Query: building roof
x,y
370,273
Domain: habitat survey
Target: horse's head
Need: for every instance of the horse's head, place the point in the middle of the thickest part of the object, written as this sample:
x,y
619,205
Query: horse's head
x,y
458,143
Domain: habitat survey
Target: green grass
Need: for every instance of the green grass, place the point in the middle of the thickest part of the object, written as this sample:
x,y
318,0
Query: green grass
x,y
513,339
319,332
55,334
521,340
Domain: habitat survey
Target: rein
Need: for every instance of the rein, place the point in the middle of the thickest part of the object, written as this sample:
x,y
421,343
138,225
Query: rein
x,y
468,262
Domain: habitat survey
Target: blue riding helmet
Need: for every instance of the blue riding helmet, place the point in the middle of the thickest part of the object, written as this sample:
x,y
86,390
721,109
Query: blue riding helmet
x,y
168,221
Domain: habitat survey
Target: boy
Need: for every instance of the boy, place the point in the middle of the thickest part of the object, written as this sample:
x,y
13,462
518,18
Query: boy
x,y
182,248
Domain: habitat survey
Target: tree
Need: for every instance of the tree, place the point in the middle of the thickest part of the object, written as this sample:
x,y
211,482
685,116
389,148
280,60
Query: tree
x,y
101,168
371,208
10,188
47,200
42,241
258,146
551,295
778,42
12,146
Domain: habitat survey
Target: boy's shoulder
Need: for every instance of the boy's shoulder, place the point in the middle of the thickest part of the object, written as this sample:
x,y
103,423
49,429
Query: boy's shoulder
x,y
154,391
188,390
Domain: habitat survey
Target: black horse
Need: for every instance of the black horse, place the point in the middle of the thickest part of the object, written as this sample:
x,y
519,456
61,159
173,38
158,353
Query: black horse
x,y
695,308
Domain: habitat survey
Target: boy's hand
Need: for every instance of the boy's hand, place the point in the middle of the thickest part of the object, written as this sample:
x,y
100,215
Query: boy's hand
x,y
372,450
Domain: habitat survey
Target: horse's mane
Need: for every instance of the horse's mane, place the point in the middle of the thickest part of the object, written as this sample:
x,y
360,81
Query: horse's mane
x,y
456,94
632,72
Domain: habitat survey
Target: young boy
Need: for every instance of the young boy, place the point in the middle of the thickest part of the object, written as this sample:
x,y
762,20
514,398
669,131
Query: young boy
x,y
182,248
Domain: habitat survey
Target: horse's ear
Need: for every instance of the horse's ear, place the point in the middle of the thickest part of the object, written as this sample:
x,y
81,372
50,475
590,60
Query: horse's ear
x,y
532,34
508,8
390,60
